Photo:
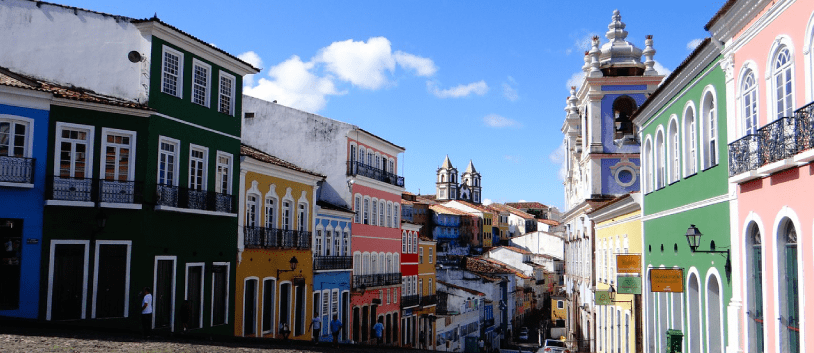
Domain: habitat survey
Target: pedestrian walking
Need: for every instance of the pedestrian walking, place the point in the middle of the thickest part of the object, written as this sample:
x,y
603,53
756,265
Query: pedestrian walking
x,y
378,328
316,327
422,342
146,311
336,327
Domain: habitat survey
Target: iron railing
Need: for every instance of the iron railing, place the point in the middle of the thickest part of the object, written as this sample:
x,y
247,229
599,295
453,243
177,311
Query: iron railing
x,y
93,190
333,262
359,168
409,300
428,299
175,196
16,170
265,238
773,142
377,280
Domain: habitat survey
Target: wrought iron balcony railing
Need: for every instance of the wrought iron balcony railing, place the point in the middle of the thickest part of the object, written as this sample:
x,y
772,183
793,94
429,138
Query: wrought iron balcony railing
x,y
265,238
333,262
16,170
93,190
359,168
425,300
778,140
175,196
409,300
377,280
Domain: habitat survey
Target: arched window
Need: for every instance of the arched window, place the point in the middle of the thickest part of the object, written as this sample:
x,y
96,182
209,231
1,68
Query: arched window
x,y
328,241
357,265
754,307
789,296
302,216
318,242
287,215
358,209
366,219
623,108
374,213
251,211
648,153
353,153
673,152
694,314
660,160
361,155
783,82
749,102
709,133
271,212
715,327
403,241
690,154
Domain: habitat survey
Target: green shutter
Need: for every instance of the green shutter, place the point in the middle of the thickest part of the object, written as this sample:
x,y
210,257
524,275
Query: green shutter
x,y
793,325
757,261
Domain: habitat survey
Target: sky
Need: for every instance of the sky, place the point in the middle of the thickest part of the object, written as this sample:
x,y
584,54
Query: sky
x,y
485,81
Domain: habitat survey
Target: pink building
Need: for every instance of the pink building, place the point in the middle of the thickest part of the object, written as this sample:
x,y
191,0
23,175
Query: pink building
x,y
376,238
768,61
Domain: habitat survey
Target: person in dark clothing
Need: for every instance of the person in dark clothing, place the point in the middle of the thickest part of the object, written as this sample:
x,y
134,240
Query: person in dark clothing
x,y
336,327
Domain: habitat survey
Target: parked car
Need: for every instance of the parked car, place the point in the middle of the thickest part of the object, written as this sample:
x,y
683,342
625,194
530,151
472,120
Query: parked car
x,y
524,336
554,346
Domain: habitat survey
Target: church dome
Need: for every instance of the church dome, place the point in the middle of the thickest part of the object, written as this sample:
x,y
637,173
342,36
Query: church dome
x,y
619,57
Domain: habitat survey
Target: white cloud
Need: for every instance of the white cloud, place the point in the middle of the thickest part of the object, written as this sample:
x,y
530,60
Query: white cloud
x,y
480,88
497,121
422,66
306,85
581,44
575,80
293,84
253,59
509,91
487,202
521,200
661,69
558,157
694,43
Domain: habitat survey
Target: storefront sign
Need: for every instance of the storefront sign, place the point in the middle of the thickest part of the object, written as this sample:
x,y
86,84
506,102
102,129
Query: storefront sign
x,y
629,285
602,298
629,263
666,280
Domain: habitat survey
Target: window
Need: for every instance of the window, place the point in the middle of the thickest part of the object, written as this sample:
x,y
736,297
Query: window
x,y
334,302
302,217
690,157
749,102
403,242
251,211
318,243
648,153
326,304
421,255
220,293
269,286
381,213
409,243
200,83
111,276
223,184
415,243
74,146
715,324
172,72
694,314
395,216
374,213
783,82
673,151
560,304
367,211
286,215
197,167
227,94
14,139
430,288
389,212
168,161
660,172
337,243
362,155
271,211
710,127
755,283
789,285
328,243
358,208
118,161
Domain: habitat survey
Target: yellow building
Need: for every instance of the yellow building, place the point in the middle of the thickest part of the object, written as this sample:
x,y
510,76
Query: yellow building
x,y
558,311
274,264
428,300
617,231
488,219
501,221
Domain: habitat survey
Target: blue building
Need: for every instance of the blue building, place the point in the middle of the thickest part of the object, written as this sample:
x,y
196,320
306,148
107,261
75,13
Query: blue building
x,y
23,146
333,264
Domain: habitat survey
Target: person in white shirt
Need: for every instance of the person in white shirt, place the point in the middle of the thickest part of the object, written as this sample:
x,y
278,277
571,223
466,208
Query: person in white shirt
x,y
146,311
316,326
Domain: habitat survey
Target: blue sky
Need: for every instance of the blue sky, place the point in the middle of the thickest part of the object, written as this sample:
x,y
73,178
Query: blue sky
x,y
479,80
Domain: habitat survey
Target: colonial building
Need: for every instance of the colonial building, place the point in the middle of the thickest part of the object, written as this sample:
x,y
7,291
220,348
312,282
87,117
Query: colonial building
x,y
333,263
602,156
448,188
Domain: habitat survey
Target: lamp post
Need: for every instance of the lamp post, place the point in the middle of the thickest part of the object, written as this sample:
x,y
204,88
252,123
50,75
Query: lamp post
x,y
292,263
694,240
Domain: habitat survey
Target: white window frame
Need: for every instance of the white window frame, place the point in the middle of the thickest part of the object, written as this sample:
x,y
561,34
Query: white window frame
x,y
709,127
176,154
205,169
256,304
226,297
89,130
273,307
381,213
232,96
174,260
690,139
202,265
430,255
252,216
318,234
179,84
346,242
129,245
374,212
781,43
752,92
206,86
103,154
673,150
357,218
272,222
230,166
29,134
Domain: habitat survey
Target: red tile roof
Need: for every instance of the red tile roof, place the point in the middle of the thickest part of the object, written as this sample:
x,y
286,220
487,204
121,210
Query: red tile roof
x,y
512,248
471,291
513,210
550,222
265,157
447,210
527,205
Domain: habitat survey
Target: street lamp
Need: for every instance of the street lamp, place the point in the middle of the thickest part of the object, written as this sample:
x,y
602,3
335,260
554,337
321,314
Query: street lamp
x,y
292,263
694,240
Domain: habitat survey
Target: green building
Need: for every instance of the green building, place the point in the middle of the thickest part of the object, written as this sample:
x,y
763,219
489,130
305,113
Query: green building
x,y
684,156
140,187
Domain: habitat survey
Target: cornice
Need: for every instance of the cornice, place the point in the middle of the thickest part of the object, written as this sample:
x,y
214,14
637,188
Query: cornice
x,y
624,207
378,185
736,19
70,103
757,26
690,206
252,165
26,98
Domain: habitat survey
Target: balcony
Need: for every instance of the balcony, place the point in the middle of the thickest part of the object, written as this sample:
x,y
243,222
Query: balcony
x,y
409,300
781,144
69,189
333,262
359,168
175,196
426,300
16,170
378,280
273,238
